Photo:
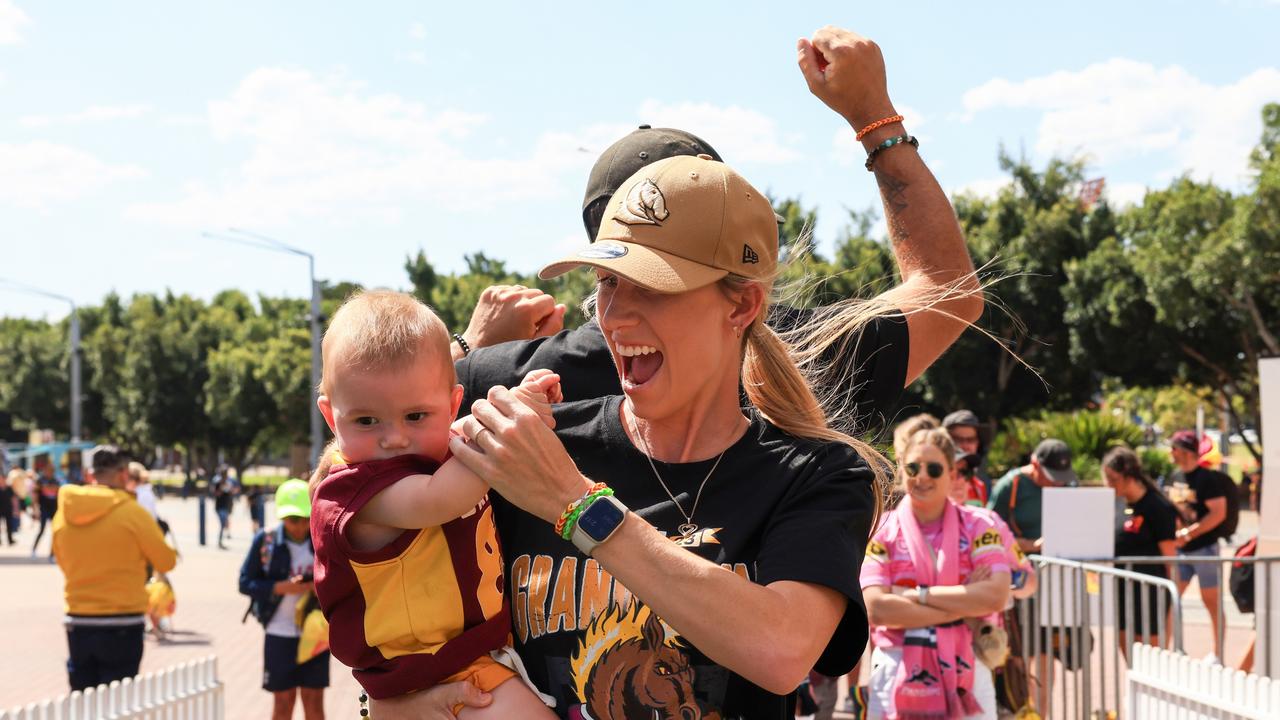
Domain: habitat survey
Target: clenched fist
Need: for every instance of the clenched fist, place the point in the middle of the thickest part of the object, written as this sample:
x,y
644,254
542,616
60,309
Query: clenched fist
x,y
846,71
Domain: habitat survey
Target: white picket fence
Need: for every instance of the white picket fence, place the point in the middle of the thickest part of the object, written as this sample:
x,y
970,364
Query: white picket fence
x,y
1164,684
190,691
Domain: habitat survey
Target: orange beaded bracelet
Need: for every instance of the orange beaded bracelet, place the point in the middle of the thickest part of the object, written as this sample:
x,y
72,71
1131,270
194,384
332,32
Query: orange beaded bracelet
x,y
877,125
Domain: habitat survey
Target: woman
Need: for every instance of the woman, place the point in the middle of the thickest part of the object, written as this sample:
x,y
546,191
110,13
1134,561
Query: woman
x,y
917,599
734,576
46,492
1149,529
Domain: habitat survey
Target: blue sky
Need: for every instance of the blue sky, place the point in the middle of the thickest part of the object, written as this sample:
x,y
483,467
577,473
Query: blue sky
x,y
364,132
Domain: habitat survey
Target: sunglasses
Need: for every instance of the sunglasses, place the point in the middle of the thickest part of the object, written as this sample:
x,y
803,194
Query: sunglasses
x,y
934,469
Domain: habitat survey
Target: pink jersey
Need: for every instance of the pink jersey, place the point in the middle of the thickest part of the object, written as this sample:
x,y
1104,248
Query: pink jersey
x,y
888,563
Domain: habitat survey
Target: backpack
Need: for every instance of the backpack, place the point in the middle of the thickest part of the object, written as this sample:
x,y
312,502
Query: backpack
x,y
1241,583
1232,521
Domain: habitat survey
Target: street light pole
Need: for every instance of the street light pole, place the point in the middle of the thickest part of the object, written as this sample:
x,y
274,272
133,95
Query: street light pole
x,y
76,415
244,237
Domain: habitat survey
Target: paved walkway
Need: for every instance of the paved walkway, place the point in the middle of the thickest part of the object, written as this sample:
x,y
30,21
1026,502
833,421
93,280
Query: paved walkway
x,y
208,620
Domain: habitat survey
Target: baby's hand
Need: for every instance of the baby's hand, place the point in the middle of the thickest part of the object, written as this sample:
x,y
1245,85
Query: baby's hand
x,y
539,390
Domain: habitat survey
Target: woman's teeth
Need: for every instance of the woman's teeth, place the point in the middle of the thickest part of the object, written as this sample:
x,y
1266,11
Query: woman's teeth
x,y
635,350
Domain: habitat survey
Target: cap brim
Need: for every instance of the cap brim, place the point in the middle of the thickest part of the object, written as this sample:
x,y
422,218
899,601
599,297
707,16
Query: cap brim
x,y
288,511
651,269
1062,477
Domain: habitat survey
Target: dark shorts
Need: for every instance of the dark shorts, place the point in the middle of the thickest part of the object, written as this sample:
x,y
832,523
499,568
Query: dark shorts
x,y
1146,599
99,655
280,668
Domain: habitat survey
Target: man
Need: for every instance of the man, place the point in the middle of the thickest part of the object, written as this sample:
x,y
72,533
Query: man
x,y
1017,499
276,575
1017,496
869,370
103,540
1203,497
966,433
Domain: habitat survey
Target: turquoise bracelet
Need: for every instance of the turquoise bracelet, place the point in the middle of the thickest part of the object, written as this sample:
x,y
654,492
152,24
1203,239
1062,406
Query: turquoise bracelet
x,y
898,140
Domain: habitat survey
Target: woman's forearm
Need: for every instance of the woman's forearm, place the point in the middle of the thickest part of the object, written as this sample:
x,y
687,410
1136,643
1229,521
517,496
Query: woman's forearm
x,y
898,612
770,635
974,600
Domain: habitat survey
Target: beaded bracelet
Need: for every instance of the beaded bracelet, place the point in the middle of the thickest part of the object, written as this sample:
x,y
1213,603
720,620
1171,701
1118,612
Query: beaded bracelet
x,y
877,125
875,151
466,349
568,509
571,520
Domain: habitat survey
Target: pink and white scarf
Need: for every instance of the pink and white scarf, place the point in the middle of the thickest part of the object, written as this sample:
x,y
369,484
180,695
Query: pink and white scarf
x,y
935,678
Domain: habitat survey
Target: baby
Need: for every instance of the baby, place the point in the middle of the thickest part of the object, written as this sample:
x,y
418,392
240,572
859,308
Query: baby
x,y
407,569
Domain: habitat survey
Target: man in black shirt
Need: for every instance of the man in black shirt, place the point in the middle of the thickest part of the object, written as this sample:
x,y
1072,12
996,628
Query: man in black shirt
x,y
869,369
1201,496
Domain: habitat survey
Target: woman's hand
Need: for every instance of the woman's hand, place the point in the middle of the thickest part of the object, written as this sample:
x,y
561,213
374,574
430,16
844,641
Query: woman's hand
x,y
513,450
432,704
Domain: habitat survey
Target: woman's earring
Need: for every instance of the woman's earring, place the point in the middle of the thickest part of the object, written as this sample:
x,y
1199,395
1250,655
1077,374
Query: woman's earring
x,y
737,331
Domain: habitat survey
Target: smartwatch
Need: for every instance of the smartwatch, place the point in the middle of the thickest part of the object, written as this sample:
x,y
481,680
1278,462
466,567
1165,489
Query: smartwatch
x,y
598,522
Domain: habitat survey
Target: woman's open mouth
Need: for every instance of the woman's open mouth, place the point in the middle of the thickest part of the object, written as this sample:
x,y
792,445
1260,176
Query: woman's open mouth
x,y
639,363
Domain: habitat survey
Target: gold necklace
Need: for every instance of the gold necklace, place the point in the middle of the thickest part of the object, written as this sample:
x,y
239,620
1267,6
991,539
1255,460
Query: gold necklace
x,y
688,527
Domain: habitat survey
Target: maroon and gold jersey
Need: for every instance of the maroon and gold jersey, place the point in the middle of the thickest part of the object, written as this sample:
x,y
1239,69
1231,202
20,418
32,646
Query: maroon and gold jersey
x,y
418,610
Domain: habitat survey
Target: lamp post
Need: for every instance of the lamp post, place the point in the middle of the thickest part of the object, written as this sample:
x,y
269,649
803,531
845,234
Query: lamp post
x,y
244,237
76,416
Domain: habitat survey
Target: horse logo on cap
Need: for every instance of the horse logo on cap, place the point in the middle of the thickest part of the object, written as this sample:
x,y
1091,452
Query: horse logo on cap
x,y
644,204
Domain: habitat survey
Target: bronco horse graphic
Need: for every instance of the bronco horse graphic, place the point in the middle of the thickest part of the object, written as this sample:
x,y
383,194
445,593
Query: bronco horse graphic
x,y
626,668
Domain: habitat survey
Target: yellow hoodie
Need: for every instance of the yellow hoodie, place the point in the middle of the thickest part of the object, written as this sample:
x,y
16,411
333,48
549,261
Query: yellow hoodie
x,y
103,540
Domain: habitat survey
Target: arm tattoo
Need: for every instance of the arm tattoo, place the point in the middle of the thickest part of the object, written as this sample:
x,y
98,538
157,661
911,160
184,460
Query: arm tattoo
x,y
894,192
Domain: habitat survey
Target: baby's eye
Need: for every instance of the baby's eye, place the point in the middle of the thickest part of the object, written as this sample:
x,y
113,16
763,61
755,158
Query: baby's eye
x,y
366,421
414,417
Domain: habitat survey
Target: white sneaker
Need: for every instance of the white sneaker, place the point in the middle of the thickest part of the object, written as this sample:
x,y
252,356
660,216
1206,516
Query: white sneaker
x,y
1210,659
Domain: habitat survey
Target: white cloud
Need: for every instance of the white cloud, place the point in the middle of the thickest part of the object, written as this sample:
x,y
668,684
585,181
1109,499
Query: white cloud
x,y
11,19
326,147
850,152
1122,108
983,188
740,135
417,57
1124,194
95,113
418,31
39,174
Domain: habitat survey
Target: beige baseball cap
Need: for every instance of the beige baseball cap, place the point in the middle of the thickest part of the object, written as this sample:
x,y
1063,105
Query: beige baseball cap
x,y
679,224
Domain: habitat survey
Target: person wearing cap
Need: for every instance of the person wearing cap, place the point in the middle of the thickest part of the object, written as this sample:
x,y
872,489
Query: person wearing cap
x,y
1204,497
863,371
103,541
966,433
1016,497
277,576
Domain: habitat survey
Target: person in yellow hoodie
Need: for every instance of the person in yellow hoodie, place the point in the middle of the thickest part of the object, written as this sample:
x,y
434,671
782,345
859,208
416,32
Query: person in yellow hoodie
x,y
103,540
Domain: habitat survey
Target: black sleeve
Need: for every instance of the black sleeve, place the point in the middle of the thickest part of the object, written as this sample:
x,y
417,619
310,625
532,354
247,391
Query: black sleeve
x,y
580,356
1216,487
868,368
818,535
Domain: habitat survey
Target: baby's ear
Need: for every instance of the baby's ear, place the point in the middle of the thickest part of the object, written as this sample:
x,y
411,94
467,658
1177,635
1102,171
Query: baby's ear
x,y
457,400
326,409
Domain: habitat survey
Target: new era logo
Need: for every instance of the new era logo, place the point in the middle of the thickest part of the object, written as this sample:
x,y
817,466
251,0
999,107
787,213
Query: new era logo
x,y
749,255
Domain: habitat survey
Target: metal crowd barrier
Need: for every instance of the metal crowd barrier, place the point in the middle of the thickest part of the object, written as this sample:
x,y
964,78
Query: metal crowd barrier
x,y
1263,567
190,691
1071,648
1071,642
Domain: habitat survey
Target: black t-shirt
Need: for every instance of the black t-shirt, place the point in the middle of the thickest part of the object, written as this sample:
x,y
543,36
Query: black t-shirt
x,y
776,508
1204,484
1147,523
870,367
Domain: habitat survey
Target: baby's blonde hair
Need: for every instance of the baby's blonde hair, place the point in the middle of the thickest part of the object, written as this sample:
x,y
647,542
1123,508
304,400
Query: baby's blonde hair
x,y
381,330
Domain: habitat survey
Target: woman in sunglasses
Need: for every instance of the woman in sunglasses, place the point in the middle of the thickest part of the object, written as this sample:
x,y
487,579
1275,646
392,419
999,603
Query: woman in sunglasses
x,y
931,564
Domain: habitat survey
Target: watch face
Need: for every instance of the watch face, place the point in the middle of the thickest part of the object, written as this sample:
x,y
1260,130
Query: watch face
x,y
600,519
